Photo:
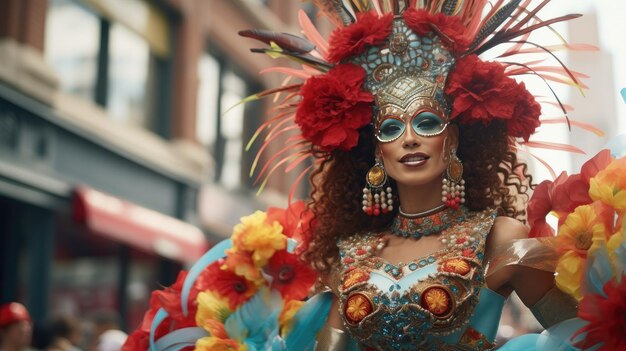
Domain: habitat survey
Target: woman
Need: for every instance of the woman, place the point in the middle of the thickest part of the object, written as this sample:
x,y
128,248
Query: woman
x,y
417,190
417,153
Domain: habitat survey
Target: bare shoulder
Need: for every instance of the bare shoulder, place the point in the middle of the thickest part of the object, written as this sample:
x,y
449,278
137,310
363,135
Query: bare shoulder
x,y
504,230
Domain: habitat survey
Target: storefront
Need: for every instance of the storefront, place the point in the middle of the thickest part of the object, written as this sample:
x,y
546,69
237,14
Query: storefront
x,y
84,225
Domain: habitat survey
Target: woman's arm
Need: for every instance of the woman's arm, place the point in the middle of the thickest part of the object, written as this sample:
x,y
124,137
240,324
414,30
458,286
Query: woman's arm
x,y
535,287
530,284
332,337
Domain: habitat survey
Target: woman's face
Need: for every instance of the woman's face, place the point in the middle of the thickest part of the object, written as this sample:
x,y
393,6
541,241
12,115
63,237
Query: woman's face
x,y
418,154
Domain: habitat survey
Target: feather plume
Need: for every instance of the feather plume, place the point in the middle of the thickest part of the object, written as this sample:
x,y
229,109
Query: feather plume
x,y
289,42
494,22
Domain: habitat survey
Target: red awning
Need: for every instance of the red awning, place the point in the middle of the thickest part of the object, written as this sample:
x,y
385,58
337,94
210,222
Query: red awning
x,y
138,227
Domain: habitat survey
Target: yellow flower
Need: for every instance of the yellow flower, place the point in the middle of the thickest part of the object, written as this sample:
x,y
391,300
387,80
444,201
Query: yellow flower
x,y
241,264
583,230
212,343
569,274
211,306
609,185
255,235
285,319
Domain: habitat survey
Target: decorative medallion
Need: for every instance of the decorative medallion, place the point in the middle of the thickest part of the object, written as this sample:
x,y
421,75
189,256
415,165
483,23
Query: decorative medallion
x,y
354,277
456,265
376,176
382,72
455,169
438,301
357,307
398,43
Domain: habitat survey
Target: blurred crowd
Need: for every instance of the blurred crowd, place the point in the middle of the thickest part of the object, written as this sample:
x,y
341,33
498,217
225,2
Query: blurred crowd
x,y
99,332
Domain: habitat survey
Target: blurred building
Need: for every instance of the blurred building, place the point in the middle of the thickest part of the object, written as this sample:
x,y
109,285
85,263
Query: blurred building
x,y
118,162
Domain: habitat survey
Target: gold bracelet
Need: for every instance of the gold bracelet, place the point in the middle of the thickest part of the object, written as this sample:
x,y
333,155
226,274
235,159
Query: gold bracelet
x,y
331,339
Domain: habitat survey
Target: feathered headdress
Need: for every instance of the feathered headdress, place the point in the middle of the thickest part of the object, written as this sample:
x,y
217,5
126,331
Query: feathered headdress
x,y
395,51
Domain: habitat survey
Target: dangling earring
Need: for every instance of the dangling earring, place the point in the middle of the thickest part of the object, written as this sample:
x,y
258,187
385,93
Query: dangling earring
x,y
453,187
377,200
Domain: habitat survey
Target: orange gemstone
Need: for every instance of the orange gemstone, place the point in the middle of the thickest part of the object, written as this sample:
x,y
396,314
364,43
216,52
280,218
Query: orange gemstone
x,y
456,265
437,300
353,277
357,307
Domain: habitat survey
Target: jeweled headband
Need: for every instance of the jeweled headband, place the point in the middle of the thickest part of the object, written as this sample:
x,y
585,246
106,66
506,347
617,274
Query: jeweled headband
x,y
389,57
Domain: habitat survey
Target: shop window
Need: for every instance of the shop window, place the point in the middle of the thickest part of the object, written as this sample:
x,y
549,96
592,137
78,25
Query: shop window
x,y
73,53
101,54
131,70
224,125
231,129
208,98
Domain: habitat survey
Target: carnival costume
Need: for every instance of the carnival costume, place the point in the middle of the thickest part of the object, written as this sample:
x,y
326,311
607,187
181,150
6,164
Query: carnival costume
x,y
387,63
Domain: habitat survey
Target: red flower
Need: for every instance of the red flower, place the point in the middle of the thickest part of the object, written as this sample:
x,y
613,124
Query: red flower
x,y
538,208
236,289
168,299
139,340
605,315
369,30
291,277
525,117
482,92
563,195
334,107
296,221
449,28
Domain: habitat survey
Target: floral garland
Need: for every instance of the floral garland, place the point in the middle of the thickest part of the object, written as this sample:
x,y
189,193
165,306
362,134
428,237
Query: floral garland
x,y
258,261
591,243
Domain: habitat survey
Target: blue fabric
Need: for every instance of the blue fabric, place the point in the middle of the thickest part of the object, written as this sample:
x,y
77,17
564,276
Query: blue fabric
x,y
487,314
555,338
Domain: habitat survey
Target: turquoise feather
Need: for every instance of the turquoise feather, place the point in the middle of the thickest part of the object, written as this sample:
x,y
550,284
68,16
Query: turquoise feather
x,y
308,321
598,271
254,321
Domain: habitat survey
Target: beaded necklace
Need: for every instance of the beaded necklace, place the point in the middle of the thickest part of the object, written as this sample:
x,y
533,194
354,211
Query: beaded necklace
x,y
416,226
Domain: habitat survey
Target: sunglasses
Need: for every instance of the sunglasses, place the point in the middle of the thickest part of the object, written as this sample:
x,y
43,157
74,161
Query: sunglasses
x,y
424,124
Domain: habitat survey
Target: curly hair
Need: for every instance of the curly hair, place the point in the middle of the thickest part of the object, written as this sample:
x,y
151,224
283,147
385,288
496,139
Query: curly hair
x,y
494,177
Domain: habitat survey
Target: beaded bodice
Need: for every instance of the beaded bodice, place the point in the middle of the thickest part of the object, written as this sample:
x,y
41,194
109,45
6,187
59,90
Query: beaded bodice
x,y
418,304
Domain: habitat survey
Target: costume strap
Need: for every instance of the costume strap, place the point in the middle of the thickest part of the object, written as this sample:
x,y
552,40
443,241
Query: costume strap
x,y
554,307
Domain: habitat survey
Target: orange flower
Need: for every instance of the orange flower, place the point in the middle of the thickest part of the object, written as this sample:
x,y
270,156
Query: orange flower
x,y
242,265
258,237
212,343
582,230
609,185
